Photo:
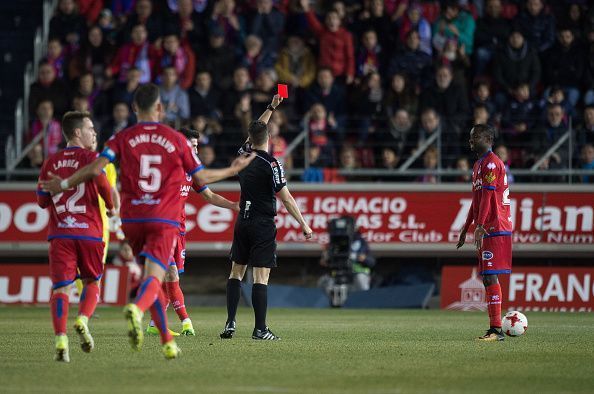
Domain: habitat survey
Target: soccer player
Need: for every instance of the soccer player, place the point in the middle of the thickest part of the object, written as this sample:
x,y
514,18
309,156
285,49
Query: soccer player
x,y
75,231
111,174
490,212
153,162
176,267
254,236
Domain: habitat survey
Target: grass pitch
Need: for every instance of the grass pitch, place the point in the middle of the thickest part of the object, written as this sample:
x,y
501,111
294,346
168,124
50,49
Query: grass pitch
x,y
333,351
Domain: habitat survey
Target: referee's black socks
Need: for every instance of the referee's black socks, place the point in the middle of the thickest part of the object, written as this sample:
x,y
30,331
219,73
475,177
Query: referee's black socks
x,y
260,303
233,293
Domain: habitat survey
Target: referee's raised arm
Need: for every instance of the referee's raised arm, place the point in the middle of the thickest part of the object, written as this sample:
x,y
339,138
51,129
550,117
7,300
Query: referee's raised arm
x,y
264,118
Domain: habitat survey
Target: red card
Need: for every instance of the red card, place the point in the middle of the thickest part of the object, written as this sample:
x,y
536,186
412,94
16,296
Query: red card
x,y
283,90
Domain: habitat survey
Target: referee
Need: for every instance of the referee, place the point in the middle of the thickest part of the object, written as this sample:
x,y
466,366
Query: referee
x,y
254,236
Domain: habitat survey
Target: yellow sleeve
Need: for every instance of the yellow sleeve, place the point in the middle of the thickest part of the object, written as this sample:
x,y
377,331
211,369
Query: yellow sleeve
x,y
111,174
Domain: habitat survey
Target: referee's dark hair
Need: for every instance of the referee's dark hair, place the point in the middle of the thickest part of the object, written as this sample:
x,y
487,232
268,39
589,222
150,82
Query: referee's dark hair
x,y
190,133
146,96
485,131
73,120
258,132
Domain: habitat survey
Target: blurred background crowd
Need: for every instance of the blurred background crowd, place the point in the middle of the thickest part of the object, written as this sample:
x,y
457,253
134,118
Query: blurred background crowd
x,y
374,84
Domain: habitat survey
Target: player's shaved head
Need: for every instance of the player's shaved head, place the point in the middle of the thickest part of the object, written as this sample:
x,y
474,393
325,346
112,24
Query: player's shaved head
x,y
481,137
258,132
71,121
145,97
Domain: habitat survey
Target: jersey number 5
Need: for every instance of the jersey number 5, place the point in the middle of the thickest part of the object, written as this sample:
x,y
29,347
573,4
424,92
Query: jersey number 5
x,y
150,176
71,206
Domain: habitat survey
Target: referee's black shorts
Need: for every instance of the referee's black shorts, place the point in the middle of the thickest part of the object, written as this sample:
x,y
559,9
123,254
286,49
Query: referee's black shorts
x,y
254,242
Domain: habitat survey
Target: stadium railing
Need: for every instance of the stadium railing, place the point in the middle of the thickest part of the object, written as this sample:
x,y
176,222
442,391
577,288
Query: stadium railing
x,y
14,144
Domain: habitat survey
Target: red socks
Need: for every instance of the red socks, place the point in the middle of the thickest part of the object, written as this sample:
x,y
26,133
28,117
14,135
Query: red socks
x,y
494,304
176,298
89,299
160,317
147,293
59,308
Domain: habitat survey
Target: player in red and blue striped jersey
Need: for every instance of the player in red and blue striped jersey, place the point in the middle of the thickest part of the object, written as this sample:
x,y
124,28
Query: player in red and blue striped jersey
x,y
153,162
75,230
490,212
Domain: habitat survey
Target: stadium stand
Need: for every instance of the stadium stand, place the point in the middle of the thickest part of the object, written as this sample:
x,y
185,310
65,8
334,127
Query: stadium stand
x,y
375,86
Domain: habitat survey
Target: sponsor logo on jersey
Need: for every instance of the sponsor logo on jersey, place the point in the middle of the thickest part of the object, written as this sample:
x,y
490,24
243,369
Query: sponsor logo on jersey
x,y
282,173
487,255
70,222
146,199
275,173
491,166
490,177
185,190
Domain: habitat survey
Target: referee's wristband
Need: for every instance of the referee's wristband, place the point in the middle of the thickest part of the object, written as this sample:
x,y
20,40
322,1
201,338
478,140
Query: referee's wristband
x,y
270,108
64,184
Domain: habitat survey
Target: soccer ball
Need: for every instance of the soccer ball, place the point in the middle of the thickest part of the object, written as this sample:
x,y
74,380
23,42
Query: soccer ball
x,y
514,324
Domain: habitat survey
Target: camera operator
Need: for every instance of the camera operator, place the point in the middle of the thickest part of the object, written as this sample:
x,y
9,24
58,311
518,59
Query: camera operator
x,y
359,263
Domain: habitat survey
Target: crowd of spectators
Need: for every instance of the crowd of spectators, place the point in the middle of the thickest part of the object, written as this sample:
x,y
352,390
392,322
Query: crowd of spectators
x,y
370,80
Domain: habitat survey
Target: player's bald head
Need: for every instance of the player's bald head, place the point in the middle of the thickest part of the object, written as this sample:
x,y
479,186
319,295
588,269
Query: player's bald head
x,y
145,97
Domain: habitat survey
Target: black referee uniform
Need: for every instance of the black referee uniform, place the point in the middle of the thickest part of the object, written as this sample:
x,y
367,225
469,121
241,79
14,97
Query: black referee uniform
x,y
254,236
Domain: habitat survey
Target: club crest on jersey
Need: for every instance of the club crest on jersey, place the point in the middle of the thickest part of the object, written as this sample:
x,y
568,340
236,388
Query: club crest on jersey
x,y
487,255
490,177
491,166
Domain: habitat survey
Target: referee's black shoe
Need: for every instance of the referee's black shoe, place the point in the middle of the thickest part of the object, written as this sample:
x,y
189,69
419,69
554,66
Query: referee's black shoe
x,y
265,335
228,331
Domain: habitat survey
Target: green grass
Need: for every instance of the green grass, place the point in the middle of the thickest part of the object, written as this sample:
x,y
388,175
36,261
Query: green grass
x,y
335,351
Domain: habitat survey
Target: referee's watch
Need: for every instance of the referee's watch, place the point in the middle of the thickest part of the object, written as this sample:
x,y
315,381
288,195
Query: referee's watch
x,y
270,108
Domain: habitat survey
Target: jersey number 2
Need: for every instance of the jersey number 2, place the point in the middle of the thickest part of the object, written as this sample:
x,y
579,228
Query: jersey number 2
x,y
150,177
71,206
506,200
